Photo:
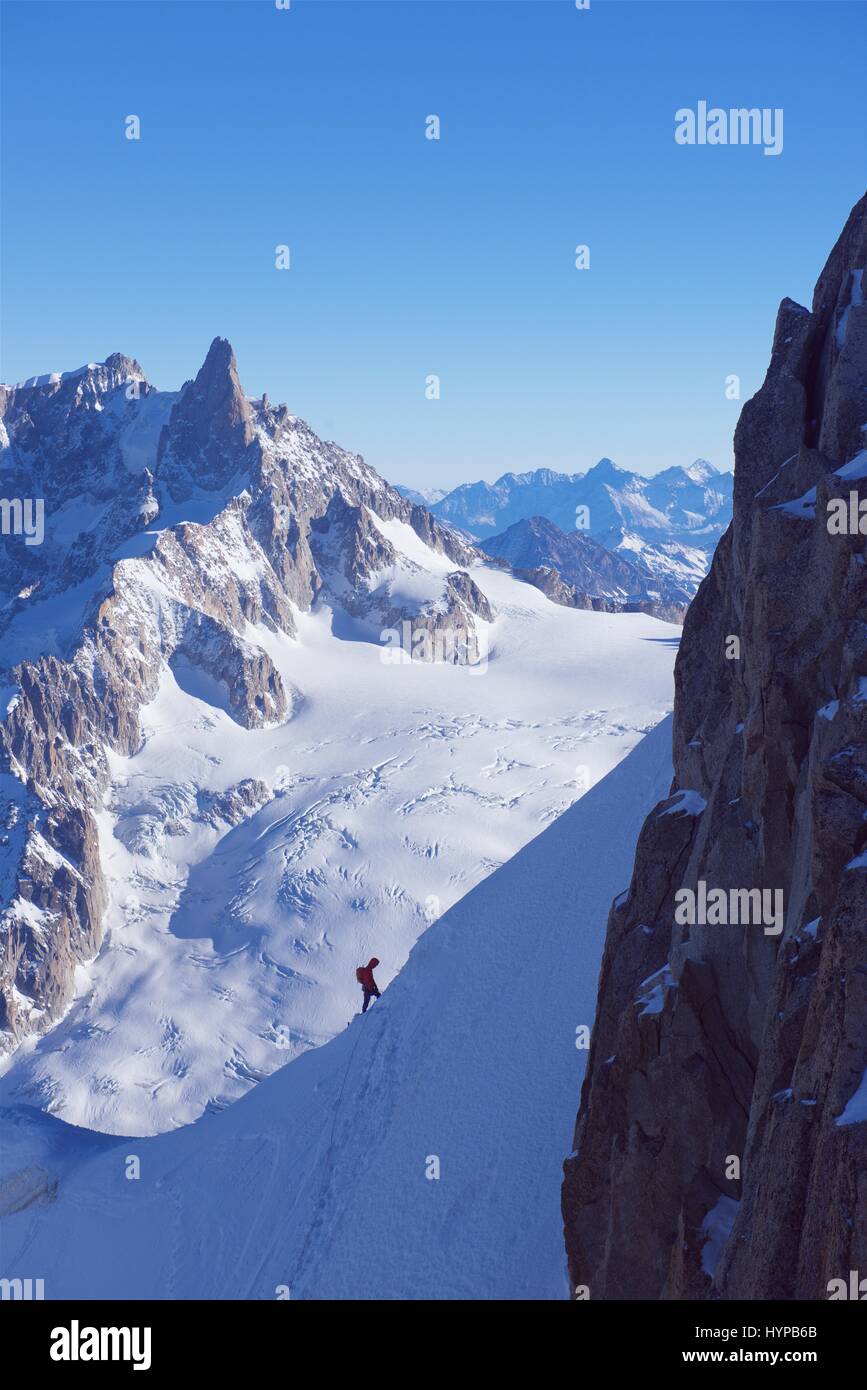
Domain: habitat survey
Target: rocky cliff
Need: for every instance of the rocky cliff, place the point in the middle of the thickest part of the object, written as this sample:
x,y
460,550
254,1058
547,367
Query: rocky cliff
x,y
177,526
721,1143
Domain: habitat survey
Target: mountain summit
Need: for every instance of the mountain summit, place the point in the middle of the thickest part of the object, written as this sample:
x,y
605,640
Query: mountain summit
x,y
210,427
175,524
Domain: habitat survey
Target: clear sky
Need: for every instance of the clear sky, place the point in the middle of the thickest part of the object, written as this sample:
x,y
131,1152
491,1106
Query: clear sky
x,y
412,257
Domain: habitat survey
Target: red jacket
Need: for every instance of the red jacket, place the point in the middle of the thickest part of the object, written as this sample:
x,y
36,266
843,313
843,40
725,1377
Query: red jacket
x,y
366,980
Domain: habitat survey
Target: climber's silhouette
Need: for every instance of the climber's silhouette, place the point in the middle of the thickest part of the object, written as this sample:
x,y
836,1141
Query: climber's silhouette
x,y
364,976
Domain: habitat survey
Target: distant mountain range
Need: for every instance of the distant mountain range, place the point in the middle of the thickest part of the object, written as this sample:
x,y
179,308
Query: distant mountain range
x,y
683,504
667,526
571,568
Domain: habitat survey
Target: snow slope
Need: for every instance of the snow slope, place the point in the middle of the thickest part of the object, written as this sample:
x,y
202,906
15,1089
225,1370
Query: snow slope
x,y
234,926
316,1180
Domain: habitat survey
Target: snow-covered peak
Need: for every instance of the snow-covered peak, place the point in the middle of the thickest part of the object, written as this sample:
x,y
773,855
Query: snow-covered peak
x,y
701,471
604,469
103,376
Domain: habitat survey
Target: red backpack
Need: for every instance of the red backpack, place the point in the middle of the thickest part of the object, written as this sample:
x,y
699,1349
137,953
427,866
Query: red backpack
x,y
361,974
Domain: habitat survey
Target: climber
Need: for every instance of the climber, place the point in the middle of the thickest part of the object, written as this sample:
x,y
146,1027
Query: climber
x,y
364,976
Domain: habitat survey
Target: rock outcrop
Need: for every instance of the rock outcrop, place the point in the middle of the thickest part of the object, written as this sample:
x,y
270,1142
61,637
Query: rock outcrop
x,y
721,1144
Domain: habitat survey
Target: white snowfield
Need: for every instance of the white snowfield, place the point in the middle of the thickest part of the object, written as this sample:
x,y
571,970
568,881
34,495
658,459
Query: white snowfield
x,y
415,1156
236,920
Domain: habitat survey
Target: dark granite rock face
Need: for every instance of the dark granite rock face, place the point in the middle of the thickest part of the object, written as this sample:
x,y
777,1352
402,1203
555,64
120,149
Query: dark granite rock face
x,y
721,1141
210,429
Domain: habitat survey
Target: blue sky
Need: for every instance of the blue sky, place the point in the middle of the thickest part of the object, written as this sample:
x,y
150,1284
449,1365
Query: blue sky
x,y
413,257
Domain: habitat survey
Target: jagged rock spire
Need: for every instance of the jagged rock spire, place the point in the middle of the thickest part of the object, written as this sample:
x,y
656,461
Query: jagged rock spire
x,y
210,429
